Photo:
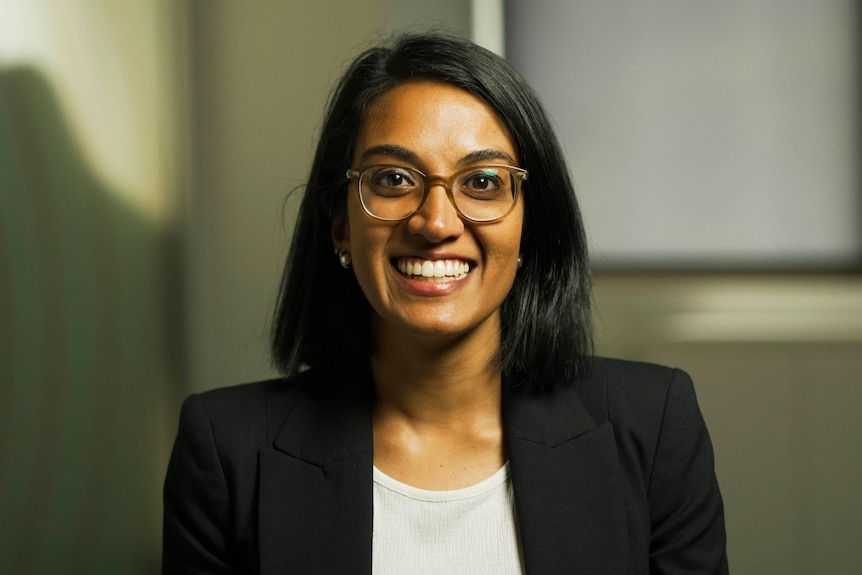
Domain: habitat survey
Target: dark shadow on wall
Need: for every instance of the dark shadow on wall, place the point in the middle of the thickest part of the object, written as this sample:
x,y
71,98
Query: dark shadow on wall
x,y
89,354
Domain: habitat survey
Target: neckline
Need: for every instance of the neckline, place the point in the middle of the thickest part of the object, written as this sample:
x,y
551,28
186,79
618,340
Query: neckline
x,y
499,477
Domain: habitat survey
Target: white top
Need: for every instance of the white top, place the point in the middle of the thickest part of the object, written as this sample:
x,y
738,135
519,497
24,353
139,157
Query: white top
x,y
466,531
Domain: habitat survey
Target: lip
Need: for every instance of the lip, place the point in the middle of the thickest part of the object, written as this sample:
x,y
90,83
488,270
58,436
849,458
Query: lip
x,y
423,286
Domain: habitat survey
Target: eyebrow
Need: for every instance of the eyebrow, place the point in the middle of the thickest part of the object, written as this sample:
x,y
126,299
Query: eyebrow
x,y
407,155
484,155
392,150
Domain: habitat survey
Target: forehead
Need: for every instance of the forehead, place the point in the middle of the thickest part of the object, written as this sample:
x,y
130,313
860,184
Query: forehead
x,y
434,120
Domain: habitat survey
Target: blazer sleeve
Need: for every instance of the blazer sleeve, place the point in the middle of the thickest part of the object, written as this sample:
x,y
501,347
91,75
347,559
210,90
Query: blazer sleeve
x,y
196,537
686,509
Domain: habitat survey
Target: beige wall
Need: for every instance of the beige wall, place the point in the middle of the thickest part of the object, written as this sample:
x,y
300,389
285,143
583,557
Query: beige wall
x,y
260,75
777,364
260,78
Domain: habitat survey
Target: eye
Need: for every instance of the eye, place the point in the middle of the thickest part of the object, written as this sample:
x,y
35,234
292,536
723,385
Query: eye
x,y
392,182
482,183
393,178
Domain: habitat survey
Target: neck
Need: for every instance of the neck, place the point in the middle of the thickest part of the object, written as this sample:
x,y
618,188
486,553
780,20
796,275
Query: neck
x,y
429,379
438,417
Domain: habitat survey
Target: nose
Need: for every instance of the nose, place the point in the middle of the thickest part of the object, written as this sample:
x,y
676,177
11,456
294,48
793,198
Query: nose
x,y
436,219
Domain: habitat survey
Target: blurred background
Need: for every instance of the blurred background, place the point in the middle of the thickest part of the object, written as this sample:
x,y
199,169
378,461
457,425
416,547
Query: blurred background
x,y
151,160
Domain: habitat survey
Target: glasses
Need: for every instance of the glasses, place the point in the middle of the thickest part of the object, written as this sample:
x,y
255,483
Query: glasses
x,y
479,193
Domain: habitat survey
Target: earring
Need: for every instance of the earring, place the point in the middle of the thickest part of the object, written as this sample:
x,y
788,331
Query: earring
x,y
520,260
344,258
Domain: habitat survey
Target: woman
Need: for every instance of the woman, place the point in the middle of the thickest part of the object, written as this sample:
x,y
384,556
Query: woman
x,y
441,411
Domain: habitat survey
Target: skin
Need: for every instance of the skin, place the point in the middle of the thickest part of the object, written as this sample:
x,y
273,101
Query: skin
x,y
437,423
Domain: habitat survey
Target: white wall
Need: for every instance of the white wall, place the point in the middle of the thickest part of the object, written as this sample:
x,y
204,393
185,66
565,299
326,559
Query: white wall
x,y
704,133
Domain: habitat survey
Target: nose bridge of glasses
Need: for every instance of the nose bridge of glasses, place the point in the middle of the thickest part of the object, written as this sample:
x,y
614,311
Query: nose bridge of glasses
x,y
432,182
444,182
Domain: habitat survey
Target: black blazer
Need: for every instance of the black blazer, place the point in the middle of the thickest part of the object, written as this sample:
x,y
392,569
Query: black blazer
x,y
611,475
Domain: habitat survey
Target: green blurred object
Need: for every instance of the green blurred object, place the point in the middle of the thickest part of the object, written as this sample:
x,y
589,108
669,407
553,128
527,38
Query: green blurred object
x,y
84,362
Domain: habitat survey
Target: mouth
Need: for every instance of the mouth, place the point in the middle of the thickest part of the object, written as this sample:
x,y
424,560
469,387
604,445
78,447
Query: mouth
x,y
432,270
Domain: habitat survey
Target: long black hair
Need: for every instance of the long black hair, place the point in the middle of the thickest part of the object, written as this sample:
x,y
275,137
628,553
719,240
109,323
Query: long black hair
x,y
322,317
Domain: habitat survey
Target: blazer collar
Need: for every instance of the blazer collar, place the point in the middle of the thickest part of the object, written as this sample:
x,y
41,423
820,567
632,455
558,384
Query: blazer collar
x,y
330,419
567,481
315,498
316,506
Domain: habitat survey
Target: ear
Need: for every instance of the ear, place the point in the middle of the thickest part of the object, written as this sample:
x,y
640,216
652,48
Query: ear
x,y
341,234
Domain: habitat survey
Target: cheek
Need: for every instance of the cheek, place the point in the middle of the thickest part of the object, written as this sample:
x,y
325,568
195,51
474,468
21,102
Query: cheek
x,y
367,245
502,251
514,231
366,241
358,228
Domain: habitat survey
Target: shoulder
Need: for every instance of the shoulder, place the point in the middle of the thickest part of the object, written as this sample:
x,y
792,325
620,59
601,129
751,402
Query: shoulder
x,y
223,424
242,415
253,413
248,399
650,406
666,453
239,401
210,484
632,376
622,391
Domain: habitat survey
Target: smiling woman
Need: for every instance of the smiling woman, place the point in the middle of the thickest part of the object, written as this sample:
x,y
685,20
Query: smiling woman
x,y
441,411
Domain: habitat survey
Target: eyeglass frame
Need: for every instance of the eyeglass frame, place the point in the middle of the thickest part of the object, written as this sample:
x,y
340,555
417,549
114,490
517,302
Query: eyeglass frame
x,y
519,175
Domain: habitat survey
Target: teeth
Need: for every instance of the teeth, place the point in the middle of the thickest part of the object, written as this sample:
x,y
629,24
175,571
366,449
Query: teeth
x,y
433,269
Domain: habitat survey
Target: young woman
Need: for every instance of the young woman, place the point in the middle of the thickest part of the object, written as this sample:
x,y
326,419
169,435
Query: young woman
x,y
441,411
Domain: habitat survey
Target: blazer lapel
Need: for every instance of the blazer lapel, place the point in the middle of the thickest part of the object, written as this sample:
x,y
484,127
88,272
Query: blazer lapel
x,y
315,485
569,492
315,498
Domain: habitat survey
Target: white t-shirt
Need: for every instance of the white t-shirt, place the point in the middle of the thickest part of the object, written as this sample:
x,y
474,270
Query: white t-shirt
x,y
463,531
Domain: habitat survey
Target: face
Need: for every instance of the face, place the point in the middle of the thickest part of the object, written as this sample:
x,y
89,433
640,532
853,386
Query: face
x,y
437,129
